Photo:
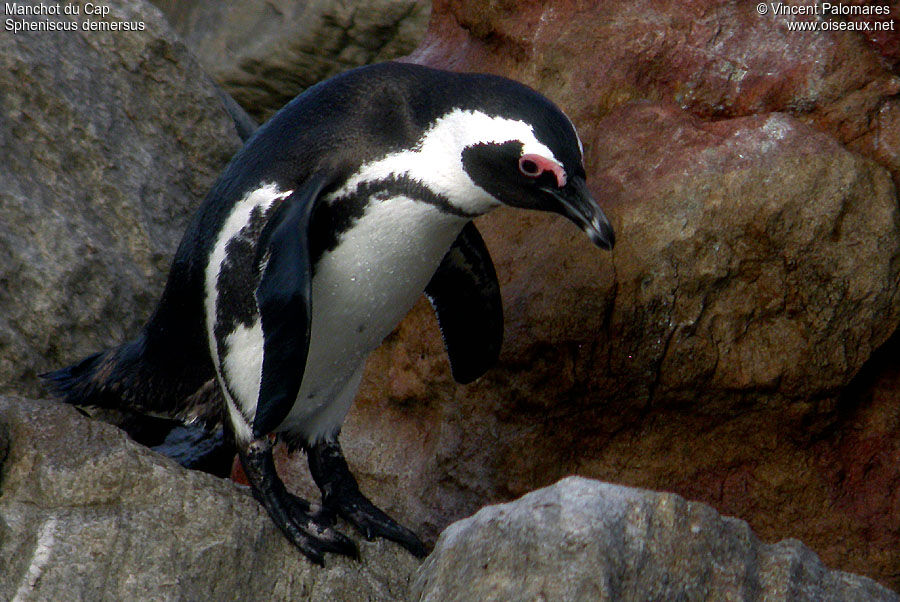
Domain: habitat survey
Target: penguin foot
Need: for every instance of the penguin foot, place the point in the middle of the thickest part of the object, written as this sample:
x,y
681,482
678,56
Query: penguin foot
x,y
341,495
296,504
369,520
311,533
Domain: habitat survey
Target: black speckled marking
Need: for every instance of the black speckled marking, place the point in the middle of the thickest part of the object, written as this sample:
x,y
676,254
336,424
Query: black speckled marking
x,y
238,278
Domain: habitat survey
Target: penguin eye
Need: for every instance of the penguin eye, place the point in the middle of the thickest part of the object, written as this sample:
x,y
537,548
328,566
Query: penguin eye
x,y
529,168
534,166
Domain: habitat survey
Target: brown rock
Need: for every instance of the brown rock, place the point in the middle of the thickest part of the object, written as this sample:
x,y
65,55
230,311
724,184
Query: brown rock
x,y
744,242
714,59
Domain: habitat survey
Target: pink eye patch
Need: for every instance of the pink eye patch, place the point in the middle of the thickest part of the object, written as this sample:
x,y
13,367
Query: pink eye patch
x,y
534,166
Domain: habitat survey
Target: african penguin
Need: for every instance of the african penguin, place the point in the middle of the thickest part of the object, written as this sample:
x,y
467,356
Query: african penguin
x,y
311,247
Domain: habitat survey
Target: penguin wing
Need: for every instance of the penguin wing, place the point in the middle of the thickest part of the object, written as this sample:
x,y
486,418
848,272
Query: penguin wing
x,y
465,295
284,297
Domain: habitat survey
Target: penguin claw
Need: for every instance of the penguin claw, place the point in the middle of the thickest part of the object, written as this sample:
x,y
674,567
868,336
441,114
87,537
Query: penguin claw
x,y
309,536
372,522
314,540
309,548
327,538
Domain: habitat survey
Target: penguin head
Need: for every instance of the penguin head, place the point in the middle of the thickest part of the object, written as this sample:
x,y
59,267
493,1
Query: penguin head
x,y
527,173
519,149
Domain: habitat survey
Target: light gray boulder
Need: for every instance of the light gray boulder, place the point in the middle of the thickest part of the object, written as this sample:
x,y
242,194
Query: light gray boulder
x,y
582,539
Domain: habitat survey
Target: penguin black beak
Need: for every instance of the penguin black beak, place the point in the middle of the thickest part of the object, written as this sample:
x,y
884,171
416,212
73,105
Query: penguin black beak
x,y
577,204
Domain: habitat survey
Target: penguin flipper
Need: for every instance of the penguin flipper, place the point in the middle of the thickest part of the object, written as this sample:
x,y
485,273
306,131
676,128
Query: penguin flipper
x,y
465,295
284,298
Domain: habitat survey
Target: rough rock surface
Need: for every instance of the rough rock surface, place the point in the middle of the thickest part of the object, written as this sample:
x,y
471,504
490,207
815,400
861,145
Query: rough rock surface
x,y
108,141
87,514
265,52
587,540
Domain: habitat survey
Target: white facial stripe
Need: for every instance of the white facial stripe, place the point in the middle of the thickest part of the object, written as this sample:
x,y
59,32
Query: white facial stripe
x,y
241,368
436,159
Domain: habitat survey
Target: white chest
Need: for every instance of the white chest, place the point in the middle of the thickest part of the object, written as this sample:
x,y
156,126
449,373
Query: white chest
x,y
364,287
360,291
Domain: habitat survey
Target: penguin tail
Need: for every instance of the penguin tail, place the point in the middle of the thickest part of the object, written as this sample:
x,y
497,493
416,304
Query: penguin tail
x,y
108,379
161,380
162,408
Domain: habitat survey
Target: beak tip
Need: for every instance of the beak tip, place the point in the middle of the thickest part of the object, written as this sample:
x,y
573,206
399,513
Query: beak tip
x,y
577,204
603,235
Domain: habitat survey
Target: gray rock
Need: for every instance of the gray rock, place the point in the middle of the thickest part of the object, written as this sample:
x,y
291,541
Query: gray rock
x,y
265,52
86,514
585,540
108,141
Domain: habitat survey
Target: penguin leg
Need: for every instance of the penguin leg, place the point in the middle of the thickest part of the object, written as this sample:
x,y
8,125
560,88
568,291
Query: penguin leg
x,y
341,495
311,534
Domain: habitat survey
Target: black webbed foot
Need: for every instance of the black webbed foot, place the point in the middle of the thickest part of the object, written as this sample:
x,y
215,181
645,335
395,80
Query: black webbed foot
x,y
311,533
340,494
295,504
